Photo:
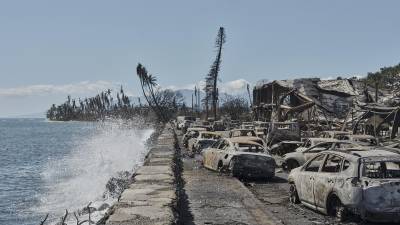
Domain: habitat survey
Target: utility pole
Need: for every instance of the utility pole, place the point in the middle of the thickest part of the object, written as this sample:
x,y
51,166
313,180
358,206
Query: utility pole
x,y
192,104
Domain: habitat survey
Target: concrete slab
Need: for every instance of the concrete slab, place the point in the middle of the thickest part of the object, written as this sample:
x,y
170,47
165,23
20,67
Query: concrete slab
x,y
141,215
158,161
131,195
162,148
161,154
155,178
146,170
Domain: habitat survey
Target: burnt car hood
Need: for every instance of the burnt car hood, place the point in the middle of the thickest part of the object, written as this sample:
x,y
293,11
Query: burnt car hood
x,y
238,153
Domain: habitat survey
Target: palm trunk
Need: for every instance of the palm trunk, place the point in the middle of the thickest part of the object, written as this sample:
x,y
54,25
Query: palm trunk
x,y
156,103
147,99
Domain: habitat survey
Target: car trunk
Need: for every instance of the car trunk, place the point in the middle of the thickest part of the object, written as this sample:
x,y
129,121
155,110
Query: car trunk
x,y
382,196
254,165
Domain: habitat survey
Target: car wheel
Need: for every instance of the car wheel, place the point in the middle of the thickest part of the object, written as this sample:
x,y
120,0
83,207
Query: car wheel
x,y
293,195
220,167
231,168
337,209
292,164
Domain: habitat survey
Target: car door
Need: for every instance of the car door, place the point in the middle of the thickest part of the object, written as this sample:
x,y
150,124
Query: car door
x,y
209,155
325,180
219,152
306,180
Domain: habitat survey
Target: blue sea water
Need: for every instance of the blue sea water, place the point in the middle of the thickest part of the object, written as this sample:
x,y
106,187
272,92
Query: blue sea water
x,y
47,167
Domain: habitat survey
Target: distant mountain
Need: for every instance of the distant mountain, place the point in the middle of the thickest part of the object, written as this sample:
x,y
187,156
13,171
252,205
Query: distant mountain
x,y
187,96
31,115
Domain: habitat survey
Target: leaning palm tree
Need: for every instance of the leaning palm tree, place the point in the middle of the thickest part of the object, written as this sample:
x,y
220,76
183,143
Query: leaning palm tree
x,y
149,81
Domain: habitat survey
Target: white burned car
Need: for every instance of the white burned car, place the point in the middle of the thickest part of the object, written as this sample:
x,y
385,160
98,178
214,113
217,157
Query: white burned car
x,y
248,134
204,140
352,181
362,139
303,153
240,157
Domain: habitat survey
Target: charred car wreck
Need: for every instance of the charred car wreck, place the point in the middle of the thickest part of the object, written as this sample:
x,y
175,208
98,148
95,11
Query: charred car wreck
x,y
345,182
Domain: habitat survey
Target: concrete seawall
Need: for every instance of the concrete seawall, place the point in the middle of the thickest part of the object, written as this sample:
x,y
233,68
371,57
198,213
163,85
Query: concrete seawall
x,y
151,198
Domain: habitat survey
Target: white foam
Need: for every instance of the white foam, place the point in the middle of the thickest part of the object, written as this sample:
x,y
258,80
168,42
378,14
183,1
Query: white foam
x,y
81,176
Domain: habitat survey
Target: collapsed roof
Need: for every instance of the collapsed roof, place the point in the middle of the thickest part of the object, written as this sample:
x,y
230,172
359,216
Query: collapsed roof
x,y
333,99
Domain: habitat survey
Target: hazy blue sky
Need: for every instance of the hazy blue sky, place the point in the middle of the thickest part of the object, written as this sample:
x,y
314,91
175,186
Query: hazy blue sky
x,y
50,47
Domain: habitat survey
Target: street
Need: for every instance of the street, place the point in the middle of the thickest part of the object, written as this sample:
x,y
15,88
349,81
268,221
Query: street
x,y
205,187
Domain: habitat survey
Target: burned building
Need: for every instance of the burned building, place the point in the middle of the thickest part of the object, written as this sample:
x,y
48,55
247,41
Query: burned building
x,y
309,98
346,102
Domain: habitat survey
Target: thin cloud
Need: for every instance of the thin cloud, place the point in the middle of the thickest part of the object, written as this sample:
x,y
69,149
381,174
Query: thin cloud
x,y
84,87
234,86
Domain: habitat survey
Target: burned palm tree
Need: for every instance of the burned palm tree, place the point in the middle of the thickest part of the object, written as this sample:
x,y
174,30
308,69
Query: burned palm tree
x,y
212,76
248,92
148,82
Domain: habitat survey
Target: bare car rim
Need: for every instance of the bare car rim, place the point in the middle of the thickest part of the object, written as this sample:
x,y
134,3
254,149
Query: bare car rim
x,y
293,196
337,209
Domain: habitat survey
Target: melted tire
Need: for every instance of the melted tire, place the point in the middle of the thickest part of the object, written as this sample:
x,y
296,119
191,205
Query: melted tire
x,y
337,210
293,195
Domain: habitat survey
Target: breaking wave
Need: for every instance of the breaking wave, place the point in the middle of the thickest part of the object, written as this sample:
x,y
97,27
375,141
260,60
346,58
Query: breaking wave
x,y
112,151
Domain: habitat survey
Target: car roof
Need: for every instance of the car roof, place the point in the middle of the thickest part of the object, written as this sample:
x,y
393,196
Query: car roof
x,y
360,136
336,132
196,129
377,152
243,139
242,130
210,132
357,153
322,139
291,142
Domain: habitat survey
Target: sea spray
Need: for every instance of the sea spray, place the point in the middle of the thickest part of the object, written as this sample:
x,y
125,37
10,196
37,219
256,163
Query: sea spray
x,y
94,169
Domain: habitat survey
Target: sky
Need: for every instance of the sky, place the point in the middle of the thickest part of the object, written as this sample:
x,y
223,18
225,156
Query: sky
x,y
49,49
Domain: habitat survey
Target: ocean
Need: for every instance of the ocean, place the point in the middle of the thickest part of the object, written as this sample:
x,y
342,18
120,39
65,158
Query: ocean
x,y
48,167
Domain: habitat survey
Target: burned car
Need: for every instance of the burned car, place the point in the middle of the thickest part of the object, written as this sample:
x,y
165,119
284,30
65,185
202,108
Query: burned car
x,y
278,131
284,147
247,125
248,134
334,134
218,126
204,140
362,139
260,132
351,181
240,157
242,133
192,132
302,154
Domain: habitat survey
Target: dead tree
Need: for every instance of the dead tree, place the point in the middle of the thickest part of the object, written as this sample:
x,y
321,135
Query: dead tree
x,y
64,218
44,220
248,92
212,76
77,220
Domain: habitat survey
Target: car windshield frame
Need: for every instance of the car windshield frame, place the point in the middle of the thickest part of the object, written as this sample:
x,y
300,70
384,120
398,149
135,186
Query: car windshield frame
x,y
258,148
